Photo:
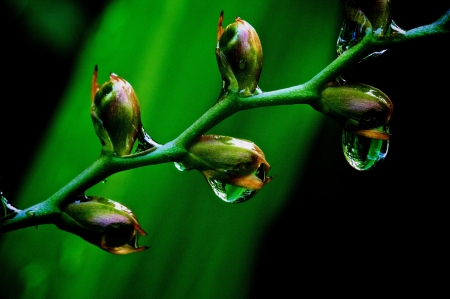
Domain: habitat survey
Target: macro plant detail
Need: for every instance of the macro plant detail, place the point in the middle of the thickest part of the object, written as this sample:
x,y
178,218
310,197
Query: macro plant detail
x,y
235,169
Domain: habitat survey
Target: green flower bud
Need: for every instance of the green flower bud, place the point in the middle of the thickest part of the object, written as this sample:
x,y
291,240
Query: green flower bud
x,y
116,114
366,105
104,223
232,161
240,45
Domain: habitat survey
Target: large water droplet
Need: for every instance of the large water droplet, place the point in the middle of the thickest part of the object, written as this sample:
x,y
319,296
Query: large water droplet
x,y
363,152
229,193
234,194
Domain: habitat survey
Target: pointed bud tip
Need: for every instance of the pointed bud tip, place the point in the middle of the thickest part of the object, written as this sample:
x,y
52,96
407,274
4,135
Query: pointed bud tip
x,y
219,26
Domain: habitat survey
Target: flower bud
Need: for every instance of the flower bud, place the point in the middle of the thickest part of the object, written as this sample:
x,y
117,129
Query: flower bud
x,y
230,160
104,223
240,45
116,114
367,105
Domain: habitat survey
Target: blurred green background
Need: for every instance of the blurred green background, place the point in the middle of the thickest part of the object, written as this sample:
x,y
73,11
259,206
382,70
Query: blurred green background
x,y
317,218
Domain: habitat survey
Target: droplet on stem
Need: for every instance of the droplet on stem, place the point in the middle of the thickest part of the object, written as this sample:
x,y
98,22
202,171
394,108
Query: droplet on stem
x,y
144,142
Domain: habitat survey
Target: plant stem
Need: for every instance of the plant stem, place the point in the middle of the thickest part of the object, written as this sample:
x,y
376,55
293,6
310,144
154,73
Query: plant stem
x,y
49,211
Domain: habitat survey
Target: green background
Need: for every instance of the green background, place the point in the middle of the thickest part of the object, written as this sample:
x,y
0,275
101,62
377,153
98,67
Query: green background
x,y
317,217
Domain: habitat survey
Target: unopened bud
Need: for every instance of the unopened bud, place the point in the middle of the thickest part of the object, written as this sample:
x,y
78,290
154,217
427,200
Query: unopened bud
x,y
365,104
240,45
116,114
232,161
104,223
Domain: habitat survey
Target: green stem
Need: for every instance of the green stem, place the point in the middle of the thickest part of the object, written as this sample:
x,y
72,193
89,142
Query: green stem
x,y
48,211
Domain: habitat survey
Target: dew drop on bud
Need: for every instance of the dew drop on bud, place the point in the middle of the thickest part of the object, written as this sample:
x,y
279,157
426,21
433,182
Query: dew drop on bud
x,y
363,152
144,142
229,193
234,194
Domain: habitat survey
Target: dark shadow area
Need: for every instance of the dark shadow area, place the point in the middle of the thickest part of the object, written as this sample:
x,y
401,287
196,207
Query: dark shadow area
x,y
35,76
343,231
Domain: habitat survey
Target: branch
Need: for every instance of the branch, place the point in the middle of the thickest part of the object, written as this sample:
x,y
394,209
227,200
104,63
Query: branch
x,y
49,211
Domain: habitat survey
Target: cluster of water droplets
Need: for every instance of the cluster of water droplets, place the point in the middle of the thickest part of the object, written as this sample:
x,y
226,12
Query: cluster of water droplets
x,y
363,152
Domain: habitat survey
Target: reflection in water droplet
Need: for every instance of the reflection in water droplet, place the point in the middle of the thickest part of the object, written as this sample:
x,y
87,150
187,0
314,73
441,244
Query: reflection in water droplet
x,y
364,153
229,193
234,194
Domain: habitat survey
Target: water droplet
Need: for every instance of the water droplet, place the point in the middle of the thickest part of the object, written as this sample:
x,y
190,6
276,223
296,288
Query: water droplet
x,y
7,209
257,91
234,194
341,81
180,166
144,142
363,152
30,213
229,193
3,200
395,29
104,181
353,31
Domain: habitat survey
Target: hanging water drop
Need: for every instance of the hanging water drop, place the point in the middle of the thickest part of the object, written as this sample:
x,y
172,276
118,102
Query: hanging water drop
x,y
229,193
235,194
362,151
